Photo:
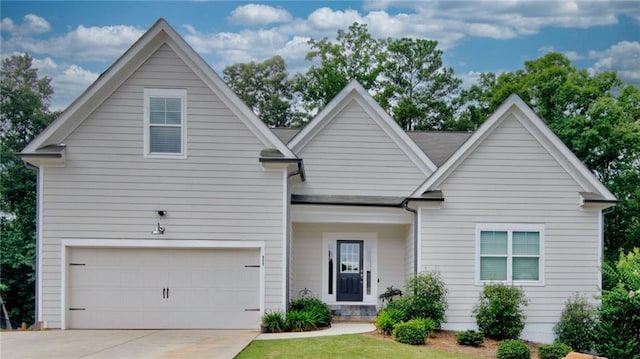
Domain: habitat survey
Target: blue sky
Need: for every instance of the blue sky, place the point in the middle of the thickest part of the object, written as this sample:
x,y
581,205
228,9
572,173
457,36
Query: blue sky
x,y
74,41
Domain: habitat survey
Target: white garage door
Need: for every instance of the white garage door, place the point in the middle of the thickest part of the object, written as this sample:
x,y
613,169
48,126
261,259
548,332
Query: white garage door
x,y
142,288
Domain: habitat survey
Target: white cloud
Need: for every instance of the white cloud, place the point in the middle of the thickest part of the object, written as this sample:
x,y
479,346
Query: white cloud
x,y
32,25
623,57
68,80
258,15
82,43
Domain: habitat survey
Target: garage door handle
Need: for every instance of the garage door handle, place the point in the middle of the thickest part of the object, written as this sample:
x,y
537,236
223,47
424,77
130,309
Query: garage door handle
x,y
167,293
164,293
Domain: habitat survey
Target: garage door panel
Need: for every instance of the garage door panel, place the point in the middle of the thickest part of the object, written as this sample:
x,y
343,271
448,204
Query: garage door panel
x,y
124,288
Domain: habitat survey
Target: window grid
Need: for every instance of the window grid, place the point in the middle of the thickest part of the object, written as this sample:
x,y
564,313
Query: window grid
x,y
165,123
522,260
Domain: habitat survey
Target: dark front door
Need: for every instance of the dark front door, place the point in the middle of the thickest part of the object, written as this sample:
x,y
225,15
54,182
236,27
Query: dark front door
x,y
350,271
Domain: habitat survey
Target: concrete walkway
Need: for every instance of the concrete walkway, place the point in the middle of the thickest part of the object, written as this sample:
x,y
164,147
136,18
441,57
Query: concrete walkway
x,y
336,329
125,344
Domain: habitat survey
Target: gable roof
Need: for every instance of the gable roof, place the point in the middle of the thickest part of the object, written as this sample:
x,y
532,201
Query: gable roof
x,y
355,91
515,106
437,145
159,34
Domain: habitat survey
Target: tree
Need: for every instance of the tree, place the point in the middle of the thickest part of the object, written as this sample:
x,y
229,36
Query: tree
x,y
595,115
266,89
355,55
416,88
24,101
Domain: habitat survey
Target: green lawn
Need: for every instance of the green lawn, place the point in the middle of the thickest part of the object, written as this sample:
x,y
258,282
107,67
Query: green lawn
x,y
342,346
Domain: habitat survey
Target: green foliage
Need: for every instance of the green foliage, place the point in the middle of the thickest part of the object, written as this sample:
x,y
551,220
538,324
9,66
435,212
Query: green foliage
x,y
499,313
618,327
24,101
319,311
425,298
417,88
513,349
274,322
556,350
470,337
299,321
387,318
266,89
625,272
577,324
355,55
412,332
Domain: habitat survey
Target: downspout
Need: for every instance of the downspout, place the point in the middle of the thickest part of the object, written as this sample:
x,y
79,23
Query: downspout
x,y
298,172
415,235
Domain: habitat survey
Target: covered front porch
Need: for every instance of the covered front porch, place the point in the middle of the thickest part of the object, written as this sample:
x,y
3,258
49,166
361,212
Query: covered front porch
x,y
348,255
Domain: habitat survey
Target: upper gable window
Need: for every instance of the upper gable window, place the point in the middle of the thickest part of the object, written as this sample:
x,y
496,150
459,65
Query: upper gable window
x,y
510,253
165,122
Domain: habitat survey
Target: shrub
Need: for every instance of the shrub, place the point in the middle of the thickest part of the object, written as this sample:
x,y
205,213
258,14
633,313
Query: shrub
x,y
553,351
319,311
412,332
426,297
499,314
513,349
617,333
388,318
273,322
470,337
299,321
577,324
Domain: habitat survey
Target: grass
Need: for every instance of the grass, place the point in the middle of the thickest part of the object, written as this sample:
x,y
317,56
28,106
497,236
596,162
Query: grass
x,y
342,346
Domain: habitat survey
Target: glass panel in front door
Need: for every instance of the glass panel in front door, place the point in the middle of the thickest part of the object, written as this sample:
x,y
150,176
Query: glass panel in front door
x,y
349,257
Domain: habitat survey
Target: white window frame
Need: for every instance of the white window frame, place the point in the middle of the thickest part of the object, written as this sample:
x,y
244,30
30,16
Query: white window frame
x,y
510,228
172,93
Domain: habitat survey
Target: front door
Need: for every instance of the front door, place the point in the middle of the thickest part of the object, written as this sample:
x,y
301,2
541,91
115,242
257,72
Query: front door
x,y
349,271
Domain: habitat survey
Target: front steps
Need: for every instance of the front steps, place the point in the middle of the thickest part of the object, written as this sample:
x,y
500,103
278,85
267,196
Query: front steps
x,y
353,313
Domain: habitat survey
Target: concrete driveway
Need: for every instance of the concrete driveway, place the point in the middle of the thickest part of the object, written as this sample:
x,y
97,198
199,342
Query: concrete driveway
x,y
94,344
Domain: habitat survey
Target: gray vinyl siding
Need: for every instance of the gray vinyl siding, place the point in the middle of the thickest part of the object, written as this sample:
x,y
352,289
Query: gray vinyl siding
x,y
109,190
511,178
353,155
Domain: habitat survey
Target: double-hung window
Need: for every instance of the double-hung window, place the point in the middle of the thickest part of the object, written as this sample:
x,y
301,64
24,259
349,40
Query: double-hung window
x,y
510,253
165,122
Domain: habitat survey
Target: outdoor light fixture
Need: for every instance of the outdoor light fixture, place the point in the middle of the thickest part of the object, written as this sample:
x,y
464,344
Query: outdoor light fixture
x,y
159,229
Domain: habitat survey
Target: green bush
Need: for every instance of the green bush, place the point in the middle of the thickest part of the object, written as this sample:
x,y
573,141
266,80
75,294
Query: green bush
x,y
412,332
576,326
618,328
319,311
388,318
425,297
299,321
553,351
273,322
470,337
499,313
513,349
